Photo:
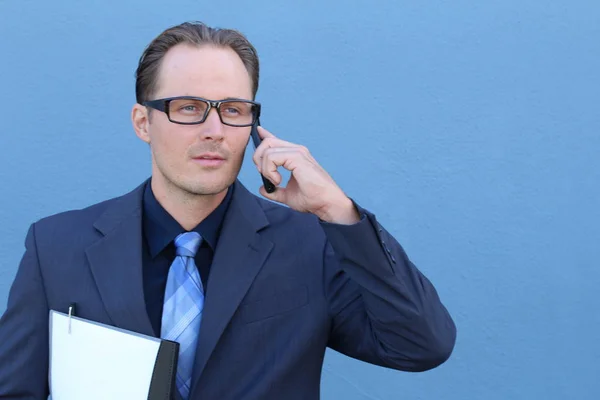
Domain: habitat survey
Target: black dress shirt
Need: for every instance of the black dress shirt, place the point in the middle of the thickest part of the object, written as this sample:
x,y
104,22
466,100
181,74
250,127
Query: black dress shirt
x,y
159,231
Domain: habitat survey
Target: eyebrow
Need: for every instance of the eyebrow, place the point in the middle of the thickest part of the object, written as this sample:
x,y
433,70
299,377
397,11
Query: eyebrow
x,y
235,98
224,99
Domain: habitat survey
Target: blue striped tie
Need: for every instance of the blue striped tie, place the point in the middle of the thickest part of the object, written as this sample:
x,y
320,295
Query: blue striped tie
x,y
182,309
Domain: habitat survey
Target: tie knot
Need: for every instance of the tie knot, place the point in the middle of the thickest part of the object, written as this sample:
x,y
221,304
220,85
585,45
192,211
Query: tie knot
x,y
186,244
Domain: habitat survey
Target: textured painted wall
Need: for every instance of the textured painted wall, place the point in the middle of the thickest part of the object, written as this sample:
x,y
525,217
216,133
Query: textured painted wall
x,y
471,128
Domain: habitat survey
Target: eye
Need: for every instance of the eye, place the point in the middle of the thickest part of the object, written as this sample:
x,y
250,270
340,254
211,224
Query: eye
x,y
231,110
189,107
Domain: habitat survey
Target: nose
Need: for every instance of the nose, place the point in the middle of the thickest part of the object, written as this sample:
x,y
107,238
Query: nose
x,y
212,127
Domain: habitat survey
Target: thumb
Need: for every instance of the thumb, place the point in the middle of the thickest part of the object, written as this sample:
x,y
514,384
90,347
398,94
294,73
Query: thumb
x,y
279,195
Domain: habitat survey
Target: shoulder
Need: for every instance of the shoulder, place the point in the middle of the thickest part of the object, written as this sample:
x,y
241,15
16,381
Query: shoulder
x,y
77,225
83,216
69,227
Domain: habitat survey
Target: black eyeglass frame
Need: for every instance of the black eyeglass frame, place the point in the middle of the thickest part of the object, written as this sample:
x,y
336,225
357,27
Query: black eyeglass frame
x,y
163,105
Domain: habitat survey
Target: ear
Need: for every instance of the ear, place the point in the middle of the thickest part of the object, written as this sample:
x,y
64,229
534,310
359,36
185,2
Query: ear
x,y
140,119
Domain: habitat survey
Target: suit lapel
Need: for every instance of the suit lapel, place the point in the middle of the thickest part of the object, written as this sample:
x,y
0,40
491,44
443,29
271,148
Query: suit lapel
x,y
116,263
239,256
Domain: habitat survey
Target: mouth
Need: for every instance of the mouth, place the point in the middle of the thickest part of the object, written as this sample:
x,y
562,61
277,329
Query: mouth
x,y
209,160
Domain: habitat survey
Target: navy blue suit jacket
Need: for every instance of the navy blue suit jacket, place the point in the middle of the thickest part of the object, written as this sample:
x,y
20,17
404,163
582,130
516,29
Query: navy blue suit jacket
x,y
283,287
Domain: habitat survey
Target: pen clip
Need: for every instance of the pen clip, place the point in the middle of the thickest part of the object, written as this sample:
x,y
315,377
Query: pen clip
x,y
71,313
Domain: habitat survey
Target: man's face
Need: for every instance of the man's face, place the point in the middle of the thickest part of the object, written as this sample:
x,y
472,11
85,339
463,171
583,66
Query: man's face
x,y
180,152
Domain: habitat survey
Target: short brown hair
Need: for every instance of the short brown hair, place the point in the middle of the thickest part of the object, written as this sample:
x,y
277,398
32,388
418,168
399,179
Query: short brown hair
x,y
194,33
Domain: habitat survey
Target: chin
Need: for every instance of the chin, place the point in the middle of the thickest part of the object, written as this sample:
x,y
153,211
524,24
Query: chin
x,y
205,186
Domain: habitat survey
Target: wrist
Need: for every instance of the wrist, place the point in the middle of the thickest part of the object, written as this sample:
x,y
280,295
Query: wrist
x,y
341,212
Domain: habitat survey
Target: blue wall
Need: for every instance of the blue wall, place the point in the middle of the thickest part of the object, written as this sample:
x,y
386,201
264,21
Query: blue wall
x,y
471,128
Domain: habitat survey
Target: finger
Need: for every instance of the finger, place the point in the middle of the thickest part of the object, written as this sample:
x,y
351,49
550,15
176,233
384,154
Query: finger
x,y
269,170
279,195
265,144
263,133
287,158
271,143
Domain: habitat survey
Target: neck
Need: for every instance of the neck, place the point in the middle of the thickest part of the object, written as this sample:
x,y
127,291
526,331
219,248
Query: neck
x,y
186,208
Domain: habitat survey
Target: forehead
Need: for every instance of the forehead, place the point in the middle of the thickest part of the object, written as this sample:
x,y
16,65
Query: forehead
x,y
204,71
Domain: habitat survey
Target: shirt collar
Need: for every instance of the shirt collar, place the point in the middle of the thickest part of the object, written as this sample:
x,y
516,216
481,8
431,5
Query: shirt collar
x,y
160,228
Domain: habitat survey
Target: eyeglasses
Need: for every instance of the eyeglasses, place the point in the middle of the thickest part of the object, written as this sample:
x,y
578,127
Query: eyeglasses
x,y
187,110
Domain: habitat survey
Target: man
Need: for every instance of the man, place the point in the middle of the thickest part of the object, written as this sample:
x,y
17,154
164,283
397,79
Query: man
x,y
268,287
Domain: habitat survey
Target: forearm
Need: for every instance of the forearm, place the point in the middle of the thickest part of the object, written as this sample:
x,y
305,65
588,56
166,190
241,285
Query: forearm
x,y
398,307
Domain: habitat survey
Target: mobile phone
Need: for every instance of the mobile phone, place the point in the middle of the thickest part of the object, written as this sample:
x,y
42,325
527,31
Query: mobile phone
x,y
269,187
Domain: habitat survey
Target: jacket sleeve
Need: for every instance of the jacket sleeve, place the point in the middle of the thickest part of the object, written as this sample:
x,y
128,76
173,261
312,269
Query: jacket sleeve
x,y
24,331
384,310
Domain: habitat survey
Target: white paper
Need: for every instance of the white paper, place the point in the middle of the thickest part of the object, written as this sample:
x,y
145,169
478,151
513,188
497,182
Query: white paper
x,y
97,361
